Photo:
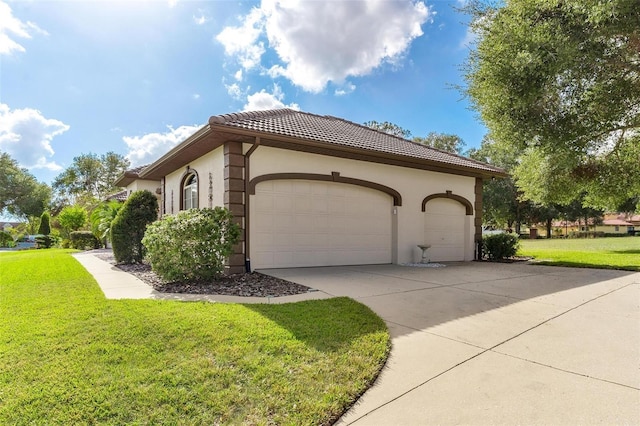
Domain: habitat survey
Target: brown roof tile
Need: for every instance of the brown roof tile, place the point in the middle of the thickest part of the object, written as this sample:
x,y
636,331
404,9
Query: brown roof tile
x,y
337,131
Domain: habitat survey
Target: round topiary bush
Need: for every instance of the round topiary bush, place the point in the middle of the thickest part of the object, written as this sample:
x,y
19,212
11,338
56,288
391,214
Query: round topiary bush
x,y
500,246
128,228
191,245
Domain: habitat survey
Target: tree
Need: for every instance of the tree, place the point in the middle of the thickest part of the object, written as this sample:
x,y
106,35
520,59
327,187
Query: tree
x,y
20,193
130,224
390,128
443,141
72,218
90,176
559,82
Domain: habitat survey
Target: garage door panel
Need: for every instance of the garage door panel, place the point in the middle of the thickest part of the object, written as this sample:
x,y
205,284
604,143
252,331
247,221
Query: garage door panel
x,y
326,223
444,230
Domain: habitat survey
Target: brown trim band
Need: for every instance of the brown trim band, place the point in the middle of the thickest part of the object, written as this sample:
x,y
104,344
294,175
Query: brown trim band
x,y
466,203
333,177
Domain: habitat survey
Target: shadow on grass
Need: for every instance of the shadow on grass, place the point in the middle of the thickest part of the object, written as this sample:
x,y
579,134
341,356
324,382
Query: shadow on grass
x,y
626,252
326,325
588,265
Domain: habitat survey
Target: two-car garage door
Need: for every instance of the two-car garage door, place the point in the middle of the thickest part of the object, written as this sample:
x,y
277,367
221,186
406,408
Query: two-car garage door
x,y
298,223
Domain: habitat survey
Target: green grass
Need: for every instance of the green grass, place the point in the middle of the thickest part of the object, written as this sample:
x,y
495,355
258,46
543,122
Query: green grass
x,y
602,253
69,356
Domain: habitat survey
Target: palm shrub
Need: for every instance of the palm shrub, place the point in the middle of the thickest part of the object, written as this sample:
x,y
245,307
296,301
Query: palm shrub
x,y
500,246
128,228
102,219
191,245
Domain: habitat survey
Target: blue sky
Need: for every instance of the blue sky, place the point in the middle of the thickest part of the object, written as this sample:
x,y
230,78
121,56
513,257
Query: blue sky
x,y
137,77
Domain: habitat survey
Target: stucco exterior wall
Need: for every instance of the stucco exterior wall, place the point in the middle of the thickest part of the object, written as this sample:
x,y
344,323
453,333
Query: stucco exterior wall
x,y
140,185
210,192
413,185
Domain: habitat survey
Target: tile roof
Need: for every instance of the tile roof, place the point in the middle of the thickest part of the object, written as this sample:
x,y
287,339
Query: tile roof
x,y
118,196
337,131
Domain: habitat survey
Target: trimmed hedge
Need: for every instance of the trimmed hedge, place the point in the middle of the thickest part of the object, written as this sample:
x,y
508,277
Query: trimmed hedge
x,y
192,245
128,228
82,240
500,246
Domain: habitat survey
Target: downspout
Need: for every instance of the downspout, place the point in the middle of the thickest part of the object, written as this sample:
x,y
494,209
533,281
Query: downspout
x,y
247,214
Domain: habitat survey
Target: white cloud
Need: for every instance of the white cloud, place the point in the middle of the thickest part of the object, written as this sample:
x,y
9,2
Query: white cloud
x,y
234,91
12,26
238,75
172,3
196,96
242,42
345,90
148,148
319,42
201,20
263,100
26,135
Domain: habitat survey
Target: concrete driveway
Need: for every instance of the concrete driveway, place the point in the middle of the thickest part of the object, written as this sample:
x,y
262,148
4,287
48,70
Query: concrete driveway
x,y
480,343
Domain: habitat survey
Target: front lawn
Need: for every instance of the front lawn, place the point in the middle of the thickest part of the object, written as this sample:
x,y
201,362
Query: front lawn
x,y
603,253
69,356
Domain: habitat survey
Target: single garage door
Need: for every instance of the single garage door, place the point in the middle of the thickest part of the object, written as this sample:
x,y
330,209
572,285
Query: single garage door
x,y
297,223
444,228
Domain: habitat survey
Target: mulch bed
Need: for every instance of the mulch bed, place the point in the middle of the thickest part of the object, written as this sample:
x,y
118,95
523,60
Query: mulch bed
x,y
253,284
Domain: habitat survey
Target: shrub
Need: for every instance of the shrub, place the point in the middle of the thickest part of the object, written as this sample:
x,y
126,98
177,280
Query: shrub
x,y
45,226
500,246
72,218
6,240
127,229
192,244
83,240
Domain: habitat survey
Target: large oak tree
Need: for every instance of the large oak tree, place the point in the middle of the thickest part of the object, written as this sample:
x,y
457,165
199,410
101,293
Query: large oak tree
x,y
558,83
21,194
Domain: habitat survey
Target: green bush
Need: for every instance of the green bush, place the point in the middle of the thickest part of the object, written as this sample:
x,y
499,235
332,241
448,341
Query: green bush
x,y
45,225
127,229
192,244
72,218
500,246
45,241
83,240
6,240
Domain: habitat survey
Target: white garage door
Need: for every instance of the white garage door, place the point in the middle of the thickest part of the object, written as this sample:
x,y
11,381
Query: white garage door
x,y
444,229
312,223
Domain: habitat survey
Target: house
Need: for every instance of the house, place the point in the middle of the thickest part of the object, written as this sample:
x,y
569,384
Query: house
x,y
617,223
312,190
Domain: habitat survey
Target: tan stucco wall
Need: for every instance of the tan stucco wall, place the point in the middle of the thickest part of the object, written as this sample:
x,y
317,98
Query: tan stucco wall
x,y
413,185
140,185
209,164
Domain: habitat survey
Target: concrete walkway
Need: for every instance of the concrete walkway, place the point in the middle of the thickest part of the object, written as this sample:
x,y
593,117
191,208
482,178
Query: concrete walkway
x,y
117,284
478,343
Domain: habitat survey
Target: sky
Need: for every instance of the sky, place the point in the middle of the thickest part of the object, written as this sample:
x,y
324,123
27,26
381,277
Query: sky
x,y
138,77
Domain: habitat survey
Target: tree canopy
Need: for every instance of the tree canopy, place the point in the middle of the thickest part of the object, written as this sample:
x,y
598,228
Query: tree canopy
x,y
443,141
392,129
558,82
20,193
91,175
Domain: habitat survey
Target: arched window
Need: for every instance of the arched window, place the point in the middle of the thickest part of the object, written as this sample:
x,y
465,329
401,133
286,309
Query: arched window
x,y
190,192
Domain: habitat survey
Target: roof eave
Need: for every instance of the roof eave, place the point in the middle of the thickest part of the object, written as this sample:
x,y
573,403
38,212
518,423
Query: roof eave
x,y
154,172
266,136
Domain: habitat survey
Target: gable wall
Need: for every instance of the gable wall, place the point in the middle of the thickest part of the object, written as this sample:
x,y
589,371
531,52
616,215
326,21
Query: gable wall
x,y
212,164
412,184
